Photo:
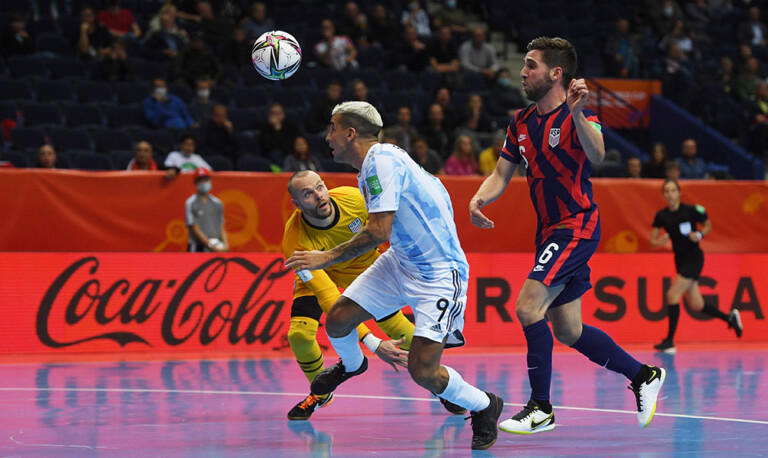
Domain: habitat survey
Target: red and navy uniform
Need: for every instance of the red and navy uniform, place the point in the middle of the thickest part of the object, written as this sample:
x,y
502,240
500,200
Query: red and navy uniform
x,y
558,172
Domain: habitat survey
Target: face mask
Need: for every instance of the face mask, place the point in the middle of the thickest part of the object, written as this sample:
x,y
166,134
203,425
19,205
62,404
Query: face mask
x,y
504,82
161,91
414,6
204,186
668,11
203,93
450,3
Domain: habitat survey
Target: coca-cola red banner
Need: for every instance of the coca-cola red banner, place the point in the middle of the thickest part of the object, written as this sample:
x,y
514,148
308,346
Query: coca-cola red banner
x,y
123,302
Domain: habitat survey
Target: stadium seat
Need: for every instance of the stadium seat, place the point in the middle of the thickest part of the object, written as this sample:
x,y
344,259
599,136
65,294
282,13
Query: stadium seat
x,y
219,163
65,68
112,139
401,81
245,119
70,139
52,91
161,140
120,159
182,91
221,94
27,137
15,89
41,115
88,116
53,43
8,110
247,145
129,92
26,66
92,161
93,92
251,163
147,71
17,158
125,116
289,98
250,97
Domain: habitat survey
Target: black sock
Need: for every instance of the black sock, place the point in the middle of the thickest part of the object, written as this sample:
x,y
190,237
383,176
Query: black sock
x,y
544,406
711,310
673,312
641,376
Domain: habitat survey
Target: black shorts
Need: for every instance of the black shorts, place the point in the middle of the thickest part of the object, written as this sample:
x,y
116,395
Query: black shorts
x,y
690,265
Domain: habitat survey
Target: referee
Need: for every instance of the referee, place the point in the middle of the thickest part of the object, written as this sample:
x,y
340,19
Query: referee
x,y
685,225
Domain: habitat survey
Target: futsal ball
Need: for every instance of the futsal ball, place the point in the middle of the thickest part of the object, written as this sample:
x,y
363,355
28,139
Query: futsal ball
x,y
276,55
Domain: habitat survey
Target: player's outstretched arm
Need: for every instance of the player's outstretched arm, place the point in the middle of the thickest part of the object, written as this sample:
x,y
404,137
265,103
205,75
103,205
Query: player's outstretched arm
x,y
490,190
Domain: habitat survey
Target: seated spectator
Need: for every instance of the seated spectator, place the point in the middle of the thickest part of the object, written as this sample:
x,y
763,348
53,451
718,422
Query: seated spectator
x,y
759,121
93,40
382,31
678,83
257,23
691,166
489,156
16,40
444,56
278,134
119,21
425,156
414,15
622,52
403,132
360,92
680,35
435,132
462,161
634,167
335,51
46,157
300,158
201,106
746,82
185,160
725,75
443,97
450,15
321,110
195,61
699,18
411,55
353,23
754,32
166,42
672,170
237,51
505,99
163,109
475,117
218,134
656,167
115,64
479,56
142,159
216,29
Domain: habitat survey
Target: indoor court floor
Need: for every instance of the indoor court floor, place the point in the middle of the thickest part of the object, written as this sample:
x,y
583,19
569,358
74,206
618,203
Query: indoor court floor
x,y
713,403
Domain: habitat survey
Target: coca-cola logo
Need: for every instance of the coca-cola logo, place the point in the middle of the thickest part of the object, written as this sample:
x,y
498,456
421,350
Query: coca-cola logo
x,y
222,298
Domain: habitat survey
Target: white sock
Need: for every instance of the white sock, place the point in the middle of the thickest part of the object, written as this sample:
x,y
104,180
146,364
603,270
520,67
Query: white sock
x,y
348,350
462,393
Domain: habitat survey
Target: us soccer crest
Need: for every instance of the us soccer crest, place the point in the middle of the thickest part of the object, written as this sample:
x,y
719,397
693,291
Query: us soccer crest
x,y
554,137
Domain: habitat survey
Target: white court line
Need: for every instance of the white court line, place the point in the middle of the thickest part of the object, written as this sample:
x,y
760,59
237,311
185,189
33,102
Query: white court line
x,y
362,396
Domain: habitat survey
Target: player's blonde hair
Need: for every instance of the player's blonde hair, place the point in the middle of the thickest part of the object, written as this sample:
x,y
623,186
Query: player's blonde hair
x,y
363,116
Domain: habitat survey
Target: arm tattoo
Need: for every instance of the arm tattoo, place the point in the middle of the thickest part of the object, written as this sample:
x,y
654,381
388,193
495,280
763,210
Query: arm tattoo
x,y
363,242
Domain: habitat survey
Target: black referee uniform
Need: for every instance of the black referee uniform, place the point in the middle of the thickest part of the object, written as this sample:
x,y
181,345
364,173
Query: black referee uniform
x,y
689,259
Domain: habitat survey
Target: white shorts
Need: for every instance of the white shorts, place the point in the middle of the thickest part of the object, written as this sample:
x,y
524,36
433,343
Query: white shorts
x,y
438,306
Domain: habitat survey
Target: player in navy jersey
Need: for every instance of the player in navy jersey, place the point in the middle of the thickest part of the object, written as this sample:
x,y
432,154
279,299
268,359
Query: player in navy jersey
x,y
558,139
681,225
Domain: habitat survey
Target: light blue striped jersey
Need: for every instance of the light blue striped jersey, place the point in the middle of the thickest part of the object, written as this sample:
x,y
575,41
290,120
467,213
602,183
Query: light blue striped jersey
x,y
423,236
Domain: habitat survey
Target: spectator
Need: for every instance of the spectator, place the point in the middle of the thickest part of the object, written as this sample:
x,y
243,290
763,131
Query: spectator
x,y
115,65
663,15
403,132
216,29
204,215
449,15
321,110
475,118
477,55
462,161
672,170
414,15
185,160
754,32
489,156
444,58
622,52
634,167
759,120
155,24
166,42
425,156
656,167
300,158
352,23
382,29
218,134
360,92
335,51
278,134
142,159
691,166
17,40
681,36
119,21
93,40
725,75
195,61
443,97
435,132
504,99
677,83
411,55
201,106
163,109
746,82
699,17
257,23
237,51
46,157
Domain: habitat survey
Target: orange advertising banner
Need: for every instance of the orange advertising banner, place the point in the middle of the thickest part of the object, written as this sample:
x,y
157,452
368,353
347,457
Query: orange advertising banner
x,y
626,104
59,303
143,212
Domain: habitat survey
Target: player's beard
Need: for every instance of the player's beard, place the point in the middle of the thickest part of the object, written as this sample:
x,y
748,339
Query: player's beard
x,y
537,93
316,213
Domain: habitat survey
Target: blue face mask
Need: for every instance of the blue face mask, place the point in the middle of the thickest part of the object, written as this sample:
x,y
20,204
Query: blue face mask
x,y
504,82
450,3
204,186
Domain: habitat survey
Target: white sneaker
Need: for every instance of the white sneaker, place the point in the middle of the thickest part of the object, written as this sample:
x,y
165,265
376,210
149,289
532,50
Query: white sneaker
x,y
646,394
734,322
529,420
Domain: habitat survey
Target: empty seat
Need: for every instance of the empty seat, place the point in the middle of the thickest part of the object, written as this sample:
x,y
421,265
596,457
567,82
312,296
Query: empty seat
x,y
13,89
8,110
250,98
251,163
17,158
401,81
129,92
52,91
65,68
245,119
82,115
289,98
125,116
27,66
27,137
93,92
162,141
41,114
247,144
70,139
219,163
92,161
147,71
112,139
120,158
53,43
182,91
221,95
